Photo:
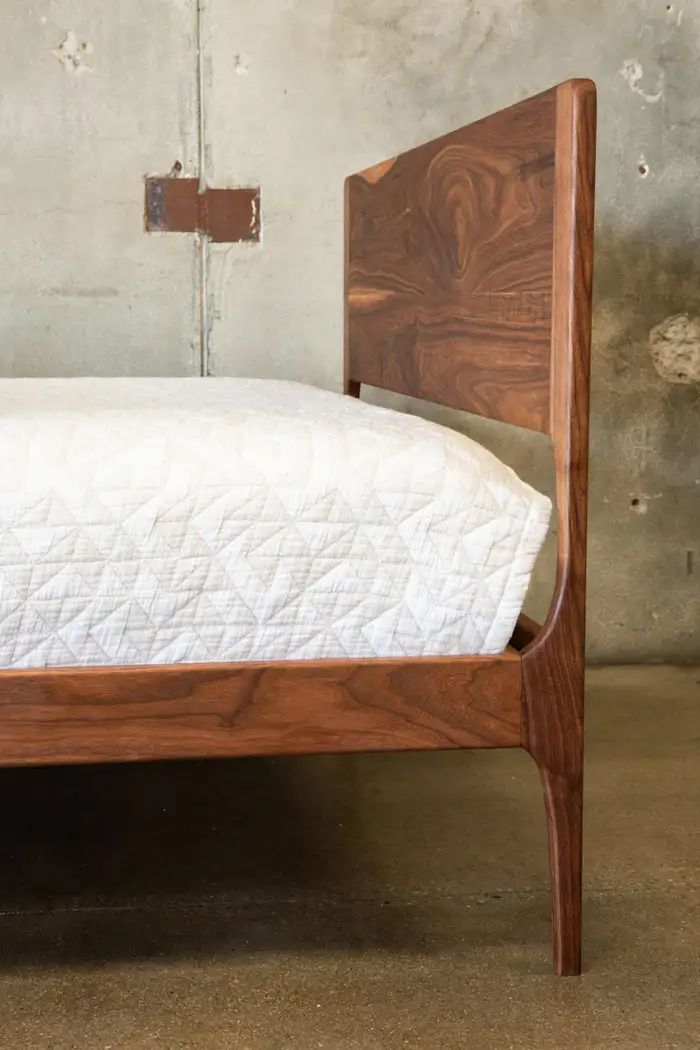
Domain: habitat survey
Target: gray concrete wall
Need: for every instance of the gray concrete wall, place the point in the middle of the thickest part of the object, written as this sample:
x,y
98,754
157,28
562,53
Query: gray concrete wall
x,y
94,95
297,93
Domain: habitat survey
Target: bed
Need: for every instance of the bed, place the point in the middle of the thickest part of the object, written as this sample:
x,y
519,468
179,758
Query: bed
x,y
220,567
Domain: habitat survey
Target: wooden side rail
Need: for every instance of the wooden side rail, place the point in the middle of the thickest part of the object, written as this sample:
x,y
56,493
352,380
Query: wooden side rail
x,y
135,713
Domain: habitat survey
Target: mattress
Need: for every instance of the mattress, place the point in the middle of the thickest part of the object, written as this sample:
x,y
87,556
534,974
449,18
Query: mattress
x,y
149,521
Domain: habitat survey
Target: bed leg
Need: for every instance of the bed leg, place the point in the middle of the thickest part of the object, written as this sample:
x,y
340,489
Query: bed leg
x,y
553,734
563,799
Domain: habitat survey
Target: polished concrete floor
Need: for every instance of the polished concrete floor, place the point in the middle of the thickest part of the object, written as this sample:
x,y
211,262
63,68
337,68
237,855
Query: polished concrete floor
x,y
358,902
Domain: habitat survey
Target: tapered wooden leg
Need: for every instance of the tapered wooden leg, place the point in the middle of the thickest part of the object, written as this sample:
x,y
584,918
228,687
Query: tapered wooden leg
x,y
563,798
553,734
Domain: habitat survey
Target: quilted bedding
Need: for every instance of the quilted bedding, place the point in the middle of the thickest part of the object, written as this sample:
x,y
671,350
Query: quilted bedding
x,y
167,520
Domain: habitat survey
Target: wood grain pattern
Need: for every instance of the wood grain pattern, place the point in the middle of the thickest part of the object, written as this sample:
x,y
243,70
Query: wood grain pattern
x,y
126,714
553,664
449,268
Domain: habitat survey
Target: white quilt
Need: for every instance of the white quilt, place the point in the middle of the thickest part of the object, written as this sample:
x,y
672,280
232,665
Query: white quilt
x,y
167,520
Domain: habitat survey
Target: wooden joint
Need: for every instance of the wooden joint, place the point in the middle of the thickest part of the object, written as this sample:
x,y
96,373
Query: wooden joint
x,y
524,632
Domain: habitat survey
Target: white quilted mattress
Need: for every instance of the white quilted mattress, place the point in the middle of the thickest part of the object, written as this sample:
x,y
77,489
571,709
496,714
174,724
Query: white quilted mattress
x,y
166,520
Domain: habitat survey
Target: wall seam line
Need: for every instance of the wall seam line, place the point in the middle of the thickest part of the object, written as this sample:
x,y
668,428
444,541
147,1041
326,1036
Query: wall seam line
x,y
202,238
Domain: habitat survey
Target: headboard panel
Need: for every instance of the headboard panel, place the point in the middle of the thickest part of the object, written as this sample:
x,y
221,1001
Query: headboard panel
x,y
449,267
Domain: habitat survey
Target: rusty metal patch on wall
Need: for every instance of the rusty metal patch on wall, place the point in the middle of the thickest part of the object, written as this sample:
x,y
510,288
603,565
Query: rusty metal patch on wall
x,y
225,215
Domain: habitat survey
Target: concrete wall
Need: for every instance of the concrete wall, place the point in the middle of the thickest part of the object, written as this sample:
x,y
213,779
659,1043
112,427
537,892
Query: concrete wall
x,y
297,93
93,96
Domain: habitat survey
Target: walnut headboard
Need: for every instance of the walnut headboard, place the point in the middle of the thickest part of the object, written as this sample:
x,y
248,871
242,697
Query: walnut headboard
x,y
454,258
468,271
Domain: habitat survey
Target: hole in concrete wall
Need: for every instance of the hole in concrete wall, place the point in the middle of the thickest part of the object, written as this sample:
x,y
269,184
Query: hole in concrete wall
x,y
643,168
675,349
71,53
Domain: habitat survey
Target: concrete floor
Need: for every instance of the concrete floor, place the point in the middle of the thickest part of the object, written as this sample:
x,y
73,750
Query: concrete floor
x,y
357,902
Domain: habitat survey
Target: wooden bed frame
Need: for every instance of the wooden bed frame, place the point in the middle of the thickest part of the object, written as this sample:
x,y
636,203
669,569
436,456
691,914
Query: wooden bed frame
x,y
468,283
